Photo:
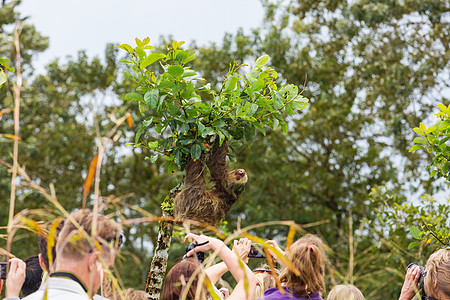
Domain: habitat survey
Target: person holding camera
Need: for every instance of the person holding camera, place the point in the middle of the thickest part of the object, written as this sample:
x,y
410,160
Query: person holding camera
x,y
433,280
186,280
14,279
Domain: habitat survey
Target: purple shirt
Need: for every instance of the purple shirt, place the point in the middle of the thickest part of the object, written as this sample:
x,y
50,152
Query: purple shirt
x,y
275,294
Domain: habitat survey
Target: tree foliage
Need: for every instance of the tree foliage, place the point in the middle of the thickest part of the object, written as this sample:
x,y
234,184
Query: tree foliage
x,y
374,70
173,107
434,140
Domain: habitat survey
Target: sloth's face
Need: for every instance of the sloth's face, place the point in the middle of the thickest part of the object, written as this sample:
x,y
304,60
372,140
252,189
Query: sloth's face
x,y
237,180
239,175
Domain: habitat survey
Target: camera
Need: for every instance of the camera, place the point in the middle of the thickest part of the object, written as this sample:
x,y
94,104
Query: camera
x,y
256,251
200,255
420,282
3,270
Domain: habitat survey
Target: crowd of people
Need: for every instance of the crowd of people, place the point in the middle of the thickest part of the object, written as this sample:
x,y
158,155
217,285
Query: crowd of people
x,y
87,244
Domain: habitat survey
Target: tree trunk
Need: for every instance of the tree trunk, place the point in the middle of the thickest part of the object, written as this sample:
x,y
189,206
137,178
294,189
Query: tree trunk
x,y
158,267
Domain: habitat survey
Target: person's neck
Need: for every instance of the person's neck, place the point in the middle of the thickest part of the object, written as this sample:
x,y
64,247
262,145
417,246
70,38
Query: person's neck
x,y
76,269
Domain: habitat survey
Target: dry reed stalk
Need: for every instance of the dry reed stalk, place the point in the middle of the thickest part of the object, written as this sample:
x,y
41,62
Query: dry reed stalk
x,y
17,88
103,143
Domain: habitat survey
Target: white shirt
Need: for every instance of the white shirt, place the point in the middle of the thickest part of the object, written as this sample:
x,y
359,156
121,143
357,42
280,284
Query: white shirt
x,y
60,288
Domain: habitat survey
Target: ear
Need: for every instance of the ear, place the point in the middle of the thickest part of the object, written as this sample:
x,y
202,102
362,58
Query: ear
x,y
93,261
41,263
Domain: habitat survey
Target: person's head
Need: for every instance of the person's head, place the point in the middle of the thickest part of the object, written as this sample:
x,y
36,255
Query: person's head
x,y
33,277
178,280
42,243
345,292
436,282
84,252
264,280
129,294
308,258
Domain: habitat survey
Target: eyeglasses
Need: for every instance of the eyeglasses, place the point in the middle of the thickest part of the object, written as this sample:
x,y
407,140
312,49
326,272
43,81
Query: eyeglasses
x,y
117,240
257,271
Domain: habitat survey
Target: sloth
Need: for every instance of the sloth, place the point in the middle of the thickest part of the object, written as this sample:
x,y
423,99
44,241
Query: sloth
x,y
195,202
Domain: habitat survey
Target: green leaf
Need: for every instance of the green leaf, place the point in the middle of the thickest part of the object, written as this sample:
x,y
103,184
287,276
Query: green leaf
x,y
159,128
183,128
418,131
253,108
201,128
236,144
141,53
258,84
243,110
151,59
166,84
196,151
284,127
444,125
3,77
138,135
177,157
249,133
445,168
299,104
138,42
412,245
133,96
153,158
142,108
4,61
147,122
289,110
430,129
221,137
160,104
153,145
420,140
189,58
128,75
175,70
260,127
126,47
230,84
415,232
416,147
433,173
151,98
443,108
262,61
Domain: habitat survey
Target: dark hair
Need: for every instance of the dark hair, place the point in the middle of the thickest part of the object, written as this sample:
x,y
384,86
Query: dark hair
x,y
179,276
33,276
42,243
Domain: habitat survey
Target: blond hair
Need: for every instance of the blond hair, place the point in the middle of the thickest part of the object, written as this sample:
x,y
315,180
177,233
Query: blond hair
x,y
438,271
130,294
308,258
345,292
264,281
76,240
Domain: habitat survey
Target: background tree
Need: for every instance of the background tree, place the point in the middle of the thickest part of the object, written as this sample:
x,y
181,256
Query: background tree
x,y
374,69
59,114
371,76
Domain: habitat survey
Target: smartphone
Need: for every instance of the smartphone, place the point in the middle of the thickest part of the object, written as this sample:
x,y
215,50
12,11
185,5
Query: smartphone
x,y
256,251
3,270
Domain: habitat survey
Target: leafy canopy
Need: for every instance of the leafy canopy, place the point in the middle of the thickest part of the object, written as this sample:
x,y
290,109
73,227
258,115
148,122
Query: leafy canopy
x,y
185,112
4,62
434,140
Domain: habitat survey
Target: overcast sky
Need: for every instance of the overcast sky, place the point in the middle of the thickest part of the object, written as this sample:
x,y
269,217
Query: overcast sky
x,y
73,25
